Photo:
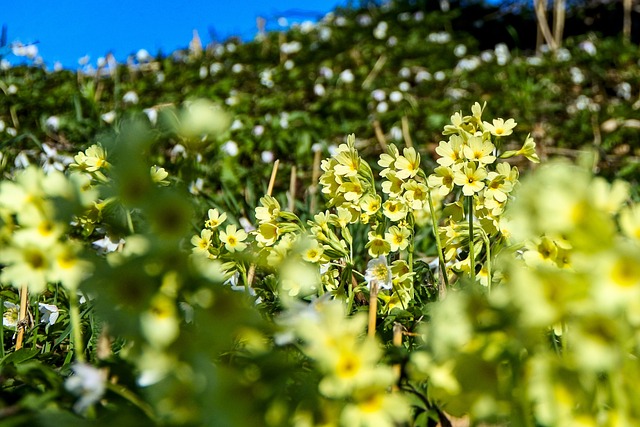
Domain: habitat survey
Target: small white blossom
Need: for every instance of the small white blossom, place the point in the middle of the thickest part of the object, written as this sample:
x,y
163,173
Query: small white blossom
x,y
380,32
382,107
290,47
152,114
404,73
324,34
215,68
347,76
49,312
258,130
283,22
326,72
392,41
10,315
319,90
396,133
486,56
502,53
108,117
588,47
88,383
439,38
379,273
316,147
52,123
460,50
203,73
12,89
284,120
422,76
395,96
563,55
130,98
237,68
231,148
404,86
418,16
267,157
195,187
143,55
577,77
289,64
364,20
379,95
439,76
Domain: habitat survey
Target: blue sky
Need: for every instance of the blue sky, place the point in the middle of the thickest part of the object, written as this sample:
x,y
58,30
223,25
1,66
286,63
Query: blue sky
x,y
68,30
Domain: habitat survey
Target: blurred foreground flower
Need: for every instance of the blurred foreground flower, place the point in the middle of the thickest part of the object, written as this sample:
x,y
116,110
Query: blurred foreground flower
x,y
88,383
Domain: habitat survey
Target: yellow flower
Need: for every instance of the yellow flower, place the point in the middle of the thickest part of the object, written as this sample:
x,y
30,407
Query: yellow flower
x,y
215,219
159,175
202,243
500,127
377,245
352,190
479,150
441,180
233,238
408,164
267,233
388,159
313,252
415,194
395,210
392,184
375,407
470,178
450,151
269,209
529,150
398,238
630,221
370,204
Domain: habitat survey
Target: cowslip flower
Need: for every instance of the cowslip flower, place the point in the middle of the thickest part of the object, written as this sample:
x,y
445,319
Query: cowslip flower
x,y
398,237
377,245
408,164
470,178
479,150
215,219
202,243
500,127
233,238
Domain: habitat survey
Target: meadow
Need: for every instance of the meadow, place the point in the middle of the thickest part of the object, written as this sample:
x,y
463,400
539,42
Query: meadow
x,y
395,216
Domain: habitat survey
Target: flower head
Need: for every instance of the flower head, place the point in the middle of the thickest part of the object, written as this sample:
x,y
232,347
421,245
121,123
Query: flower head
x,y
378,271
233,238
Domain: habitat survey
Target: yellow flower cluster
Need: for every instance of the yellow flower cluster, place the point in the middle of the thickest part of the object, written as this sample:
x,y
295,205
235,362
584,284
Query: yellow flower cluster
x,y
36,249
354,383
468,169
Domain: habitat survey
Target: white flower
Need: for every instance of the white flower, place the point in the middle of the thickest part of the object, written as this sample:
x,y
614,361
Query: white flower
x,y
130,98
460,50
236,125
108,117
88,383
326,72
347,76
83,60
440,38
2,126
284,120
392,41
246,224
404,17
10,315
395,96
563,55
422,76
289,64
340,21
486,56
379,95
237,68
231,148
215,68
534,60
291,47
577,77
439,76
316,147
378,272
418,16
332,149
502,53
588,47
267,156
203,72
107,244
5,65
231,47
364,20
404,73
382,107
396,133
623,90
380,32
319,90
152,114
258,130
12,89
404,86
49,312
196,186
283,22
160,77
325,34
52,123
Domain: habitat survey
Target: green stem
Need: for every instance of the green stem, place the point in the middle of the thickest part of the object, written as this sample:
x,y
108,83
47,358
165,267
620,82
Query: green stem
x,y
487,243
1,329
74,314
434,225
472,255
410,249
